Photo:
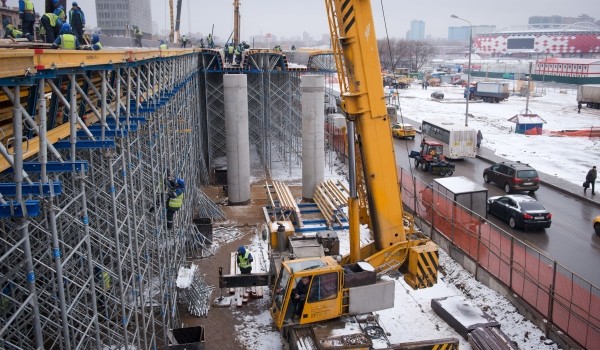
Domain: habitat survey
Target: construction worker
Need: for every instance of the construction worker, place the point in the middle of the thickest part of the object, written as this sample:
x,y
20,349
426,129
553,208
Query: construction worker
x,y
137,33
184,41
202,42
27,15
175,199
59,10
210,42
11,32
50,26
244,260
77,21
230,50
96,44
163,45
238,54
66,40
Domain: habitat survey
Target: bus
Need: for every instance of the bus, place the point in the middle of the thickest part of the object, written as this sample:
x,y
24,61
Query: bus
x,y
459,141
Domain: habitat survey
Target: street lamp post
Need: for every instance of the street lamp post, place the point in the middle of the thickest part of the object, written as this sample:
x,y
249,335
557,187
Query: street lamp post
x,y
469,73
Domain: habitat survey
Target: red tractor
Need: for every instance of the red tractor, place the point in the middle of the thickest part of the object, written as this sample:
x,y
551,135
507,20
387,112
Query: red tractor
x,y
431,158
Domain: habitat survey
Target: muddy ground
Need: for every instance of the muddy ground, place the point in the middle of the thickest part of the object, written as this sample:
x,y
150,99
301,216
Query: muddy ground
x,y
220,323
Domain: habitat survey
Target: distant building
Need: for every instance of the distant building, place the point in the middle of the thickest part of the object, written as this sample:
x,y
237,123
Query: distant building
x,y
553,20
417,30
580,40
569,67
462,33
116,17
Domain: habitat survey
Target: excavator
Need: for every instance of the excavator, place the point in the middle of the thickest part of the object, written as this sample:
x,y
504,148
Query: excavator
x,y
341,286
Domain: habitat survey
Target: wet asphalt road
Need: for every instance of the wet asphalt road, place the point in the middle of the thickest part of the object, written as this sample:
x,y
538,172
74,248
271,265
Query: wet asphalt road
x,y
570,240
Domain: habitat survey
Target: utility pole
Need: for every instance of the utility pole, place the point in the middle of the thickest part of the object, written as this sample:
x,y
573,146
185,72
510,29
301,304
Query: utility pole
x,y
236,22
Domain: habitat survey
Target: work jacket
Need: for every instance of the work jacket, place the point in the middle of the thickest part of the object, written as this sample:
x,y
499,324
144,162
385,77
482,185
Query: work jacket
x,y
68,42
244,260
60,12
176,202
97,46
53,19
76,18
163,46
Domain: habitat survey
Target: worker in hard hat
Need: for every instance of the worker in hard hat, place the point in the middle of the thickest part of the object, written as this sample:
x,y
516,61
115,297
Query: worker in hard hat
x,y
50,26
96,44
244,260
59,10
11,32
137,33
163,45
66,40
27,15
77,20
175,199
184,41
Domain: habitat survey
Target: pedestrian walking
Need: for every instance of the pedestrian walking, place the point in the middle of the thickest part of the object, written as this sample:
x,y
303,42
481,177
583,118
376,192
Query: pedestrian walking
x,y
479,138
579,107
590,180
77,21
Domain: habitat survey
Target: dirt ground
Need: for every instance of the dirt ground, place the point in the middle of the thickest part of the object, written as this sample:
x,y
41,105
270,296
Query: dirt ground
x,y
220,323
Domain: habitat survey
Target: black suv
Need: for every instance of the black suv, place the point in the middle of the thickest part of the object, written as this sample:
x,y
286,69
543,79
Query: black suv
x,y
513,176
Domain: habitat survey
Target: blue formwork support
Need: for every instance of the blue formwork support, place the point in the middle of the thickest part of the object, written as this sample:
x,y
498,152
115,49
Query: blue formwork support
x,y
107,133
13,209
35,188
86,144
55,166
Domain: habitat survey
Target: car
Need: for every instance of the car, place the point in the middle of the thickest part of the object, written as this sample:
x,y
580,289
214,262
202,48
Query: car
x,y
403,130
519,210
596,224
513,176
438,95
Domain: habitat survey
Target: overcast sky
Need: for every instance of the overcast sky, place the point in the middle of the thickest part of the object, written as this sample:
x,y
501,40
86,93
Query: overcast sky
x,y
287,18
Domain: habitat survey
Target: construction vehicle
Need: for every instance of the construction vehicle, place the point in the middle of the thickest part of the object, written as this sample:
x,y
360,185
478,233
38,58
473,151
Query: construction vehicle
x,y
431,158
589,95
345,286
487,91
396,81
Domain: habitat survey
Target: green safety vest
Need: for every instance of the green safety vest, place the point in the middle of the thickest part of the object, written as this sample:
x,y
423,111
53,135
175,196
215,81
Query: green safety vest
x,y
163,46
52,17
243,260
106,280
177,202
99,46
28,5
230,49
15,33
62,15
67,42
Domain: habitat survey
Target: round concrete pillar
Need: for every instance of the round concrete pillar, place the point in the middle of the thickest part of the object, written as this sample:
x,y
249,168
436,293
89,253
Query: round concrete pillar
x,y
235,97
313,133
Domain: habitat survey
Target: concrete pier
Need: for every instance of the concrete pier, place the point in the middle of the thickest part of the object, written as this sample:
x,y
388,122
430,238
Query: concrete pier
x,y
313,133
235,97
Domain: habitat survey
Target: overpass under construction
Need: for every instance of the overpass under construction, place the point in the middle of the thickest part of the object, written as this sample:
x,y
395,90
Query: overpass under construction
x,y
88,138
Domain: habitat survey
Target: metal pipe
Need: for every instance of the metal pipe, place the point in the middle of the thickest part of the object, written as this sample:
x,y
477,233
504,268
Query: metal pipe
x,y
64,101
353,215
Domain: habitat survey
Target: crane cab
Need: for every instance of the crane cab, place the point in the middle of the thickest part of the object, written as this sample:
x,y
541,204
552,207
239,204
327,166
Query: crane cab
x,y
323,299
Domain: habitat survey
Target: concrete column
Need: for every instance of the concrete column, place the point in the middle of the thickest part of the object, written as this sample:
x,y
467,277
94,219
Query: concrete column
x,y
313,133
235,96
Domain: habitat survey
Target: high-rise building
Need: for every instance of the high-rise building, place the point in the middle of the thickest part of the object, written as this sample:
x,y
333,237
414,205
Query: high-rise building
x,y
462,33
547,21
116,16
417,30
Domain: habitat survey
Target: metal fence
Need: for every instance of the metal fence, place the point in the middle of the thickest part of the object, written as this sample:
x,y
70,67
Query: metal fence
x,y
564,299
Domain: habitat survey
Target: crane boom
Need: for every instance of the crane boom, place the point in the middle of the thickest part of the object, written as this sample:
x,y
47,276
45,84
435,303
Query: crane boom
x,y
236,22
178,20
359,72
172,32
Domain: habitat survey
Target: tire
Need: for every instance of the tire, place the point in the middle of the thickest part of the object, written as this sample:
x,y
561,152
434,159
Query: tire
x,y
597,228
449,173
512,222
532,191
486,179
547,226
417,163
507,188
443,172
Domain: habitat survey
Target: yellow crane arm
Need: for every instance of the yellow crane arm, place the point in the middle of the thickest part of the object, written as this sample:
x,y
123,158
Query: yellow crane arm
x,y
359,71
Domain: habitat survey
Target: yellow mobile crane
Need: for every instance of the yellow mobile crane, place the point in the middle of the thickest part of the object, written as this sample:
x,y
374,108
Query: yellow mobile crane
x,y
349,285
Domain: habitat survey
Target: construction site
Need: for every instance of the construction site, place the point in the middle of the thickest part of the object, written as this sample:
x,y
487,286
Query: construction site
x,y
93,256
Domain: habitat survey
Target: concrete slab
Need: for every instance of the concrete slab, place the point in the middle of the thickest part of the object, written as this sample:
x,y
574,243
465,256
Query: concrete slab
x,y
461,315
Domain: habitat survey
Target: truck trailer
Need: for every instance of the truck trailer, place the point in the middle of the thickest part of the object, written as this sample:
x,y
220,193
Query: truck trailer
x,y
488,92
589,95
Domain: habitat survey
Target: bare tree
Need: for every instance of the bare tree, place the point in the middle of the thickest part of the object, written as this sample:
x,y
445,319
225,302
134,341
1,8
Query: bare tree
x,y
400,53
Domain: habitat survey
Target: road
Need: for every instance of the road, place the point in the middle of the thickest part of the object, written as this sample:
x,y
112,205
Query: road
x,y
570,240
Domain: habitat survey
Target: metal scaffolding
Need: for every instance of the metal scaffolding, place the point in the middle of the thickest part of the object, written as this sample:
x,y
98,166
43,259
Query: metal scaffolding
x,y
86,259
88,142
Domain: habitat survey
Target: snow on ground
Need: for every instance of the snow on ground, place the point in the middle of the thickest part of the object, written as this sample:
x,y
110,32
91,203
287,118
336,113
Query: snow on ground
x,y
568,158
412,318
